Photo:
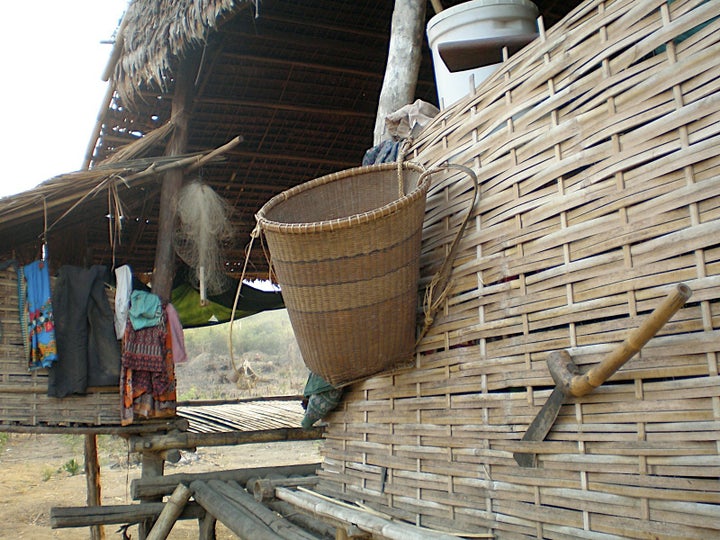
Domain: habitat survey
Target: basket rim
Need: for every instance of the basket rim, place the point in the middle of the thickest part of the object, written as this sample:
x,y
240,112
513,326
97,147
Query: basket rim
x,y
349,221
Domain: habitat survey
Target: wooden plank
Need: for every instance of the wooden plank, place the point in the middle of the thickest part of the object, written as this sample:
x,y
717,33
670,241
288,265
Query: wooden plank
x,y
232,491
179,440
83,516
233,516
141,487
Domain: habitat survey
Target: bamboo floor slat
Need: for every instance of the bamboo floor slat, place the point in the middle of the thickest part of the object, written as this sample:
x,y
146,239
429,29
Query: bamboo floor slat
x,y
242,416
596,149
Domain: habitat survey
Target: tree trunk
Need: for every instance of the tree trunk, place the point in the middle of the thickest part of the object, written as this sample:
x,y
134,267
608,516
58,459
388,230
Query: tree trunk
x,y
404,56
164,269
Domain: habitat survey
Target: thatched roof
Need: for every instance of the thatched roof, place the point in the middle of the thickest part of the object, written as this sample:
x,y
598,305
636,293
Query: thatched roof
x,y
155,34
298,80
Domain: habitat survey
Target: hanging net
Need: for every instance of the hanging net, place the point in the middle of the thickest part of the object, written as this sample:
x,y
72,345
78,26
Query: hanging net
x,y
203,230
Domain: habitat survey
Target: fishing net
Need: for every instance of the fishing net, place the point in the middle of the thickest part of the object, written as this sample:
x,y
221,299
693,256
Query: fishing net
x,y
203,230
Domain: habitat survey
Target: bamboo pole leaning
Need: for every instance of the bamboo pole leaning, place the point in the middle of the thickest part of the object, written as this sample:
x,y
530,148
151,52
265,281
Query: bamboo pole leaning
x,y
363,519
170,514
148,487
233,516
235,493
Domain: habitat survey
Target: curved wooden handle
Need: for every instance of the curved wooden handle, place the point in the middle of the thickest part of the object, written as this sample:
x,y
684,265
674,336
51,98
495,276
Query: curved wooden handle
x,y
598,374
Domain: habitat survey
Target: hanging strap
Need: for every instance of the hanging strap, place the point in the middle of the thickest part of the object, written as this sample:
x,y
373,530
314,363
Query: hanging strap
x,y
439,285
255,233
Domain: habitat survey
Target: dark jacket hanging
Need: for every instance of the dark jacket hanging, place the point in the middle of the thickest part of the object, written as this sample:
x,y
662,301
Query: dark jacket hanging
x,y
88,350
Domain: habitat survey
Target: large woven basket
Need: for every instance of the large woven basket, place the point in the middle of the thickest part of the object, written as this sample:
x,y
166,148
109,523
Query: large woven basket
x,y
345,249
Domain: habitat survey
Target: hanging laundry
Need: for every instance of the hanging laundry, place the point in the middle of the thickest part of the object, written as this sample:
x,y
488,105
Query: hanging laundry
x,y
145,309
123,288
38,317
147,382
88,349
178,337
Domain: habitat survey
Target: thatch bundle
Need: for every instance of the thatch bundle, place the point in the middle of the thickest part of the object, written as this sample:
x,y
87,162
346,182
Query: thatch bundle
x,y
154,34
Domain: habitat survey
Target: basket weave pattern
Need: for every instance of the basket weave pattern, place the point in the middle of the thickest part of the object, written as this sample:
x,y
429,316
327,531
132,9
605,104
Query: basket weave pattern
x,y
346,252
597,149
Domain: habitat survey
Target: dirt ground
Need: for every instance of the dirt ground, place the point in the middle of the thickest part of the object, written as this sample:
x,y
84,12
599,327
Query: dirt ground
x,y
37,474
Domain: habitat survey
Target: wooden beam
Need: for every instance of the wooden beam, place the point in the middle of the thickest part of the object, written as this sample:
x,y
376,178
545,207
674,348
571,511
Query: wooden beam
x,y
164,269
179,440
62,517
206,527
263,489
152,487
238,496
180,424
302,519
233,516
366,521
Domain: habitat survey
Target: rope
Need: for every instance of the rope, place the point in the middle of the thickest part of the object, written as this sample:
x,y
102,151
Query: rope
x,y
401,161
441,280
254,234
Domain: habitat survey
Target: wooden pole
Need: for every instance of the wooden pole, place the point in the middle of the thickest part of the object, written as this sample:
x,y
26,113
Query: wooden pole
x,y
206,527
364,520
277,523
143,488
158,443
164,269
302,519
171,513
153,466
92,478
403,65
233,516
62,517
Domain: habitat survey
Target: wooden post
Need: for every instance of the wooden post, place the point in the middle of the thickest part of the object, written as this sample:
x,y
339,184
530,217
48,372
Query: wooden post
x,y
92,478
145,488
233,516
164,269
206,527
403,65
153,466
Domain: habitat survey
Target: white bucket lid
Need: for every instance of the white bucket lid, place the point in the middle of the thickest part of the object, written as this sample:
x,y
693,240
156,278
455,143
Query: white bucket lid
x,y
474,4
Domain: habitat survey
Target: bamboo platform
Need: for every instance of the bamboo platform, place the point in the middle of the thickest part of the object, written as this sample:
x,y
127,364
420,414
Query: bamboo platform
x,y
25,405
597,151
242,415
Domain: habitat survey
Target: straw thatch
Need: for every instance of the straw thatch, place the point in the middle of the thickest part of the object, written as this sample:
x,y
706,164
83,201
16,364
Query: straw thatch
x,y
153,35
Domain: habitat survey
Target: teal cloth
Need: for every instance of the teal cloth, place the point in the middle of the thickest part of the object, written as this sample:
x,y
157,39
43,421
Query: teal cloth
x,y
145,309
321,398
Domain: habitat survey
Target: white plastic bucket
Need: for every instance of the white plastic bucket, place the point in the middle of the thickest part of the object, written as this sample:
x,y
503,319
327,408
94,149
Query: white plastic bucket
x,y
476,19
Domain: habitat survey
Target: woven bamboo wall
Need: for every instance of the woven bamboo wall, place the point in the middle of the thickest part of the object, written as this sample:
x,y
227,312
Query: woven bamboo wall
x,y
598,153
23,394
